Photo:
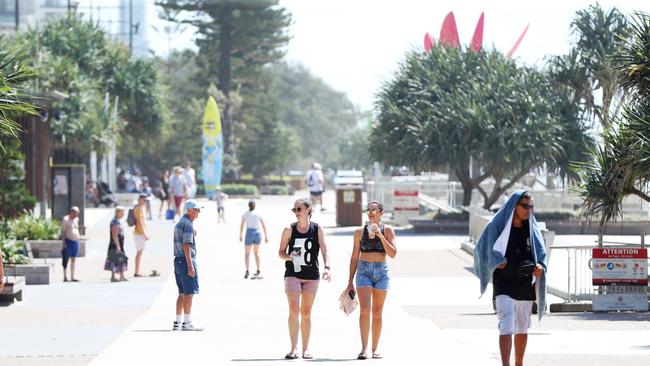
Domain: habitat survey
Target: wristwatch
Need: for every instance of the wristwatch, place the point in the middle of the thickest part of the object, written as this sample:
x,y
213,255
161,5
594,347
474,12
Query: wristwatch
x,y
327,268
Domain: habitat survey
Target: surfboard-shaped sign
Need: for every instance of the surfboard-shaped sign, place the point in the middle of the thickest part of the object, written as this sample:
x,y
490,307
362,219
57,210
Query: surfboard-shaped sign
x,y
212,151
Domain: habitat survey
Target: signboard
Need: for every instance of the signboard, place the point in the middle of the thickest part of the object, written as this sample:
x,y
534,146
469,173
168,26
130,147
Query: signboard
x,y
406,203
348,196
620,266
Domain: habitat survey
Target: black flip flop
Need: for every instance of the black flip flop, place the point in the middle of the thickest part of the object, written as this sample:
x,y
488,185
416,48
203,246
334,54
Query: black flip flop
x,y
291,356
362,356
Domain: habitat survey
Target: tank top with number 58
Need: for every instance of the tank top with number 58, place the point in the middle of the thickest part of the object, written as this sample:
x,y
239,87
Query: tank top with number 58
x,y
307,244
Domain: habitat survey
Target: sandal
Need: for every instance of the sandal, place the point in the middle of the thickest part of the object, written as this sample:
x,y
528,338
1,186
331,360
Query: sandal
x,y
154,273
362,356
291,356
377,356
307,356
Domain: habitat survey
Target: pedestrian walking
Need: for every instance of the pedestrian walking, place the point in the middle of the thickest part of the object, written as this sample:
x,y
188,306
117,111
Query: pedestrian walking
x,y
299,248
221,198
140,232
2,272
253,222
70,236
178,189
315,184
163,192
190,179
146,190
185,268
372,245
511,252
116,259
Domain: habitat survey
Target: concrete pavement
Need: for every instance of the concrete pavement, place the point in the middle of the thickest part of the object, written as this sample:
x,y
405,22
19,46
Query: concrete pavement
x,y
432,315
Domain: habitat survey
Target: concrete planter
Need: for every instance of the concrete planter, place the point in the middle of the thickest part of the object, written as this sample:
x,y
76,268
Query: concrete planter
x,y
52,248
439,226
34,273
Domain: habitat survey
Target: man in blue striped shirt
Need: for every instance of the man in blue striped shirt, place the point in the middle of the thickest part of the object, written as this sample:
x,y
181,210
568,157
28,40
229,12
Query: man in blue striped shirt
x,y
185,269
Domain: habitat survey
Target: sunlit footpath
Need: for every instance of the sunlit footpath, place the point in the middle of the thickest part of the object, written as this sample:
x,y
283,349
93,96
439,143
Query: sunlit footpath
x,y
262,182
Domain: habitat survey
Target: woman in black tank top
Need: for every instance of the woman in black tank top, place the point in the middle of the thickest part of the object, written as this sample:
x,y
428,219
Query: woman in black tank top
x,y
372,244
301,243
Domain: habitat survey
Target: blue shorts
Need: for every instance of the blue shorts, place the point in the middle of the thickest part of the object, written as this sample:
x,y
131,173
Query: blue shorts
x,y
186,285
253,236
72,248
373,274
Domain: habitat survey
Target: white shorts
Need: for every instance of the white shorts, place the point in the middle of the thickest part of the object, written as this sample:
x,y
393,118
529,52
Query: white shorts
x,y
140,242
514,315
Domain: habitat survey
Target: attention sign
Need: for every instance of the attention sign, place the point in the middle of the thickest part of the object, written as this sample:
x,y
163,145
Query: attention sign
x,y
620,266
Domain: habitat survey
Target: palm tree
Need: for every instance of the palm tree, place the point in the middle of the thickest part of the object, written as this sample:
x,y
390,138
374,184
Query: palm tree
x,y
600,34
13,77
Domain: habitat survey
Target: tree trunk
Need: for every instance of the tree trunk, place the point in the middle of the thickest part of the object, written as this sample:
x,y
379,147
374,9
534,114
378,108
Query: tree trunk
x,y
466,183
225,78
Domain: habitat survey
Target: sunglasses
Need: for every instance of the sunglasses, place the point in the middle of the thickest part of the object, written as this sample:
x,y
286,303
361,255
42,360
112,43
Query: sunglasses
x,y
298,209
526,206
372,210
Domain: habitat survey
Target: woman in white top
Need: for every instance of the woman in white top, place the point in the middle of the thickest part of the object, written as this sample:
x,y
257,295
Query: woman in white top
x,y
253,238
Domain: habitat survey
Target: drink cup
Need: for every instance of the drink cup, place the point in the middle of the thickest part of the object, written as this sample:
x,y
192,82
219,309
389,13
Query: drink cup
x,y
295,259
371,230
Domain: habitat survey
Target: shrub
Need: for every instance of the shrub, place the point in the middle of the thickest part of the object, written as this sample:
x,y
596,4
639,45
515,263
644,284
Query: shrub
x,y
33,228
240,189
12,252
279,190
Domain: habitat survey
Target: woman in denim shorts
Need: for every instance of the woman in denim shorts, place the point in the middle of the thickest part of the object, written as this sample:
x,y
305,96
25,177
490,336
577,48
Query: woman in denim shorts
x,y
372,244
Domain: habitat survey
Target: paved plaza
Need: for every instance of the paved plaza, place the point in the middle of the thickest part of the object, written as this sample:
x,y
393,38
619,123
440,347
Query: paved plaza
x,y
432,316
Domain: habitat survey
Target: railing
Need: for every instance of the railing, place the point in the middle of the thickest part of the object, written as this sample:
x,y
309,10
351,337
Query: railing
x,y
579,286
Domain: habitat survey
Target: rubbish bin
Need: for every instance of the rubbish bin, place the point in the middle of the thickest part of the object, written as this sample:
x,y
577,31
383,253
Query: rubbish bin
x,y
348,185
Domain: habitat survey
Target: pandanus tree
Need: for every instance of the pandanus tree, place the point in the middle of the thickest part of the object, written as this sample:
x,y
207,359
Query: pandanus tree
x,y
449,106
621,167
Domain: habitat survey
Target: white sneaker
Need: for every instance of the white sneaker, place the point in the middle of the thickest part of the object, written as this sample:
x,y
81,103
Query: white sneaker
x,y
177,326
188,326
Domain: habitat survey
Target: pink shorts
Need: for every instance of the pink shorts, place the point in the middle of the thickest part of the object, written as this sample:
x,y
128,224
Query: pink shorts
x,y
293,284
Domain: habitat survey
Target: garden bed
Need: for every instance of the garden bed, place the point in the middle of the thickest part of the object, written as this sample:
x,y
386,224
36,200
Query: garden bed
x,y
34,273
52,248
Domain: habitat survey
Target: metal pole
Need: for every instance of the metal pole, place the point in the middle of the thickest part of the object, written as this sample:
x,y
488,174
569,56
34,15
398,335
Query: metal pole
x,y
17,11
131,25
568,273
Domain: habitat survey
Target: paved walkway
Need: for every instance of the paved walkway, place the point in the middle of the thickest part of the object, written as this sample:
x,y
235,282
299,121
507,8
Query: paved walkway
x,y
432,314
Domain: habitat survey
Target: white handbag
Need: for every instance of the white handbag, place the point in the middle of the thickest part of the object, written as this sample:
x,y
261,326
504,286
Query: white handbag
x,y
348,302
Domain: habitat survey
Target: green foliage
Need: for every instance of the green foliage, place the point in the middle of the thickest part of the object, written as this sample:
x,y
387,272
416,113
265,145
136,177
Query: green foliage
x,y
240,189
15,199
448,106
12,252
76,57
323,119
621,166
278,190
30,227
265,144
13,76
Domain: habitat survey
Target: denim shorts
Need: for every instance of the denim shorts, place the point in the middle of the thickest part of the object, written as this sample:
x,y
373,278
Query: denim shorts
x,y
186,285
373,274
253,236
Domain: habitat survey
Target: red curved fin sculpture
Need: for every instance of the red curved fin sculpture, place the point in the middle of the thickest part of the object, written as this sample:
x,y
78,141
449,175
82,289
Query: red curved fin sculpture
x,y
521,37
477,39
449,32
428,42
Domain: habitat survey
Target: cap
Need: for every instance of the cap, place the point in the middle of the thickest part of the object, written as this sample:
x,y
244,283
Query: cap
x,y
142,195
192,204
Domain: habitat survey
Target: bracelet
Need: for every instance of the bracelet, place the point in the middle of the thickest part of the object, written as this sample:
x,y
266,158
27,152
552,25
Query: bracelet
x,y
327,268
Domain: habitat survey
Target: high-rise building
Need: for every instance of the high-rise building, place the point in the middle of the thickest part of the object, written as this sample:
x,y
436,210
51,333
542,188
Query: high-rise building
x,y
124,20
21,14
